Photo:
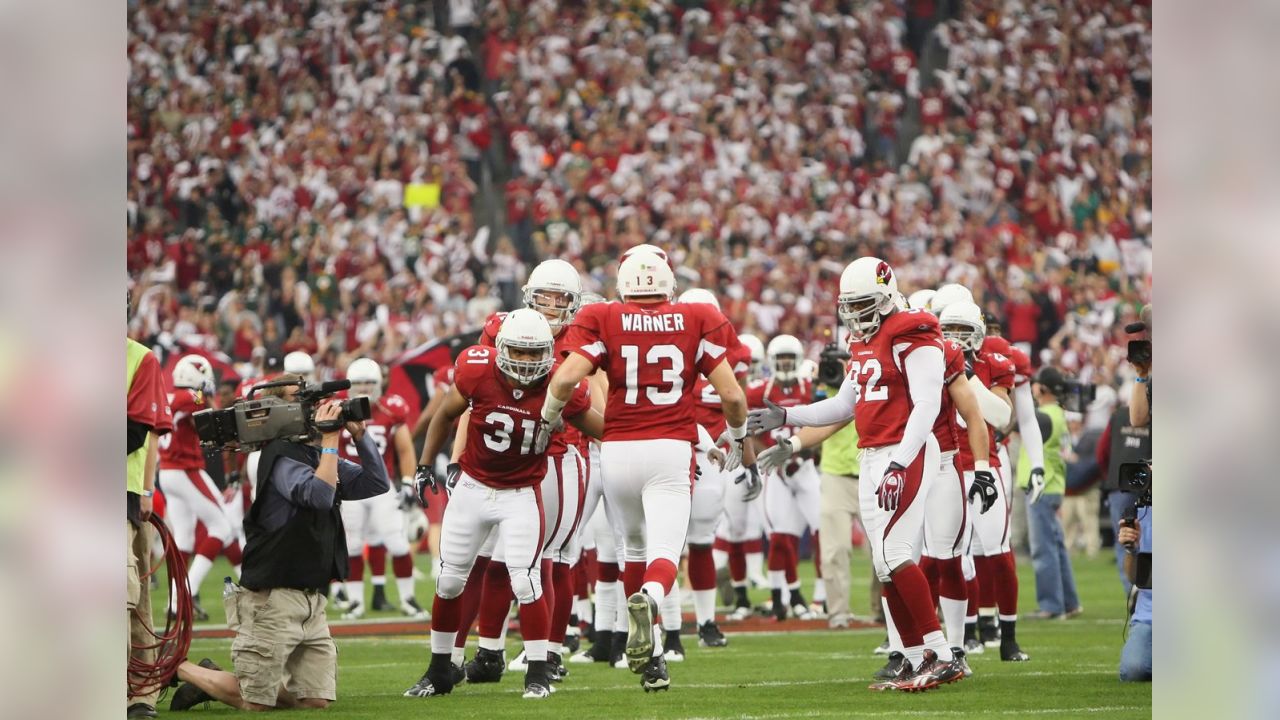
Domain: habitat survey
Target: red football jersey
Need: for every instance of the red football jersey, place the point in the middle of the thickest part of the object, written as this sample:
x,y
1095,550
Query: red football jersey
x,y
945,427
489,334
180,449
1021,363
878,368
652,355
707,410
994,370
798,393
499,449
387,414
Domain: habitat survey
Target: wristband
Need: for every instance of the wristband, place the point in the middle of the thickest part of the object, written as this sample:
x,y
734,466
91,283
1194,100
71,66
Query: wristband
x,y
795,443
328,451
551,408
981,465
148,493
738,432
1143,380
406,480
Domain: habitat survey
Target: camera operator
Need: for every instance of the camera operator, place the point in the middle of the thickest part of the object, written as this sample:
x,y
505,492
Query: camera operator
x,y
1121,443
295,545
1140,359
1135,537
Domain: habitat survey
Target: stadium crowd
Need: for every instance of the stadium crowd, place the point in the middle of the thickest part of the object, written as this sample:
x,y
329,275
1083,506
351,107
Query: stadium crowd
x,y
313,175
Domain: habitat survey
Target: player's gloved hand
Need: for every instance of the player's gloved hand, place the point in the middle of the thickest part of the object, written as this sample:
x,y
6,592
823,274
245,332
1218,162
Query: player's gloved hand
x,y
542,436
408,497
452,472
764,419
424,479
716,456
773,459
968,365
891,485
733,458
983,489
751,476
1035,488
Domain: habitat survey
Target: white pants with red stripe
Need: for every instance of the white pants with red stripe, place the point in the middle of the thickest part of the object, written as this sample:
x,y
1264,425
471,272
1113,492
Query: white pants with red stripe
x,y
792,502
191,496
564,497
647,490
476,510
707,503
991,529
895,535
946,508
743,519
375,521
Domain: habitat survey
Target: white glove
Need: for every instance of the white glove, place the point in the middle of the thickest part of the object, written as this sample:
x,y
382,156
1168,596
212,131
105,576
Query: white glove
x,y
773,459
733,458
1035,488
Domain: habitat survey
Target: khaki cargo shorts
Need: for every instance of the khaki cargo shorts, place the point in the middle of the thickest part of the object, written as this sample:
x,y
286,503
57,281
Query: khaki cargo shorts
x,y
282,638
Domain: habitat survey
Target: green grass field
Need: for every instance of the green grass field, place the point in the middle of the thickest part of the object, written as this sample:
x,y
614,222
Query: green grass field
x,y
813,674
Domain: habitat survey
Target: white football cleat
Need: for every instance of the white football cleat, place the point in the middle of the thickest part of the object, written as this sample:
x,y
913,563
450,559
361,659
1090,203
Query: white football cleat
x,y
355,611
519,663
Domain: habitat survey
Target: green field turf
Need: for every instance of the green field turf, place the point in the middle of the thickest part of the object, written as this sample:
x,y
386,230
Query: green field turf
x,y
816,674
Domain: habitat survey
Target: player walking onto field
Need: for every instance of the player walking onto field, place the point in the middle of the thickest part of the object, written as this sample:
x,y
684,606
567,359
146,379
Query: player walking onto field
x,y
652,351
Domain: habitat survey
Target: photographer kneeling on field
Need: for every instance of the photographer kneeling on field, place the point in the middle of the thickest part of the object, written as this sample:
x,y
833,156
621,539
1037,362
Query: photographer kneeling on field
x,y
283,654
1135,537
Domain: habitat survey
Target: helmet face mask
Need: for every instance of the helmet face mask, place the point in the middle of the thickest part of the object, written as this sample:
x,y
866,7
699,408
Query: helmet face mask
x,y
964,334
366,378
862,314
557,306
526,348
962,322
868,292
784,354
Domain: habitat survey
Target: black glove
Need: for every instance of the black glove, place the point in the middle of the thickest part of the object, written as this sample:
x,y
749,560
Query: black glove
x,y
752,477
424,479
452,472
984,489
697,472
968,365
1035,487
768,418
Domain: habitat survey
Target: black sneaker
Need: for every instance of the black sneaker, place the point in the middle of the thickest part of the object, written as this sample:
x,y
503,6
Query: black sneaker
x,y
894,682
411,609
437,680
486,667
1010,652
188,696
709,635
198,613
457,673
556,671
988,631
892,668
641,611
778,608
380,603
654,676
537,680
572,641
963,658
141,710
601,650
618,654
672,648
974,646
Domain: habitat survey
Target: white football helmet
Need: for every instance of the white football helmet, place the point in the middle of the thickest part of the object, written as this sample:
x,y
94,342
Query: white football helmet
x,y
868,289
785,353
947,294
962,322
194,372
300,363
699,295
528,330
646,247
757,352
919,300
644,273
547,279
366,378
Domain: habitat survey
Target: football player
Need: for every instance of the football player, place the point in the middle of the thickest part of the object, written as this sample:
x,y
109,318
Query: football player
x,y
994,562
651,351
497,485
791,495
378,521
300,363
190,493
893,392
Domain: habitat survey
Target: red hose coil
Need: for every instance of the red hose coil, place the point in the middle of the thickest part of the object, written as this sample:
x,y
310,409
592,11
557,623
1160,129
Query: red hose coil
x,y
170,646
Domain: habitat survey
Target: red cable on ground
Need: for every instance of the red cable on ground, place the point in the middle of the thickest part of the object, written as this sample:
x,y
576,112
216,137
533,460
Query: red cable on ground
x,y
170,646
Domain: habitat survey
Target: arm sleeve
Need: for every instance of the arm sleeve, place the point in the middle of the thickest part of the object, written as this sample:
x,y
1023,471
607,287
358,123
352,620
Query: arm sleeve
x,y
366,480
994,409
837,408
299,483
1028,427
924,368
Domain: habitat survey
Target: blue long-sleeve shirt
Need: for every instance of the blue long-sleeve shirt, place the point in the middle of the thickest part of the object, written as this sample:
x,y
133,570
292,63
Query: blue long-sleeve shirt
x,y
1142,612
293,484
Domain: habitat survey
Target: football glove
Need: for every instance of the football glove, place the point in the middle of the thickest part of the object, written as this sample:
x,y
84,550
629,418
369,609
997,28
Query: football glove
x,y
770,417
776,457
408,497
733,458
452,472
716,456
542,436
891,485
751,476
968,365
1035,488
983,489
424,479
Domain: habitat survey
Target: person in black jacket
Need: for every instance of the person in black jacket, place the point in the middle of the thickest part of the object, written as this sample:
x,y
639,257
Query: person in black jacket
x,y
295,545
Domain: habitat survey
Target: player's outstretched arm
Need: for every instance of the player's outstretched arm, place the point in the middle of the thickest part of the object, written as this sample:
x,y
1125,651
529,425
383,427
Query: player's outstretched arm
x,y
451,409
836,409
591,423
1025,408
778,455
560,388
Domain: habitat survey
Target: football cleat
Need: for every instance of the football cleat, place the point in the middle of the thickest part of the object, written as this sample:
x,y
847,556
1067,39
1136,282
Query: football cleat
x,y
600,650
988,631
198,613
380,602
537,682
520,663
572,641
355,611
882,648
188,696
457,674
654,677
932,673
741,612
641,610
673,649
556,671
894,682
892,668
412,609
486,667
536,691
962,657
437,680
1010,652
974,646
803,612
709,635
618,656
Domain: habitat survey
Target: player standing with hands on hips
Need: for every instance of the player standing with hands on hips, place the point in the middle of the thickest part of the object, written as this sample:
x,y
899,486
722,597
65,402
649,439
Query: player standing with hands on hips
x,y
652,351
893,392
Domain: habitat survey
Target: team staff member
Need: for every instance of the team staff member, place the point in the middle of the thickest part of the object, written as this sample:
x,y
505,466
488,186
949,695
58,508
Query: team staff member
x,y
147,419
296,545
839,492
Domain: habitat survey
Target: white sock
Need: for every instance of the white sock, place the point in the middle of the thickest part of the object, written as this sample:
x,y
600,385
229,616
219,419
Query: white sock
x,y
657,592
915,655
671,619
1008,618
819,591
459,655
704,606
620,611
355,590
404,588
200,566
720,558
554,648
607,610
895,640
936,642
586,611
778,581
236,570
442,642
535,650
492,643
755,564
379,580
953,619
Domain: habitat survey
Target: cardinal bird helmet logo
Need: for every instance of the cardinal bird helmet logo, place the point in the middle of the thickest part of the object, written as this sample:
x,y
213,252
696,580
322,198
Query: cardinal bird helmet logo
x,y
883,273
